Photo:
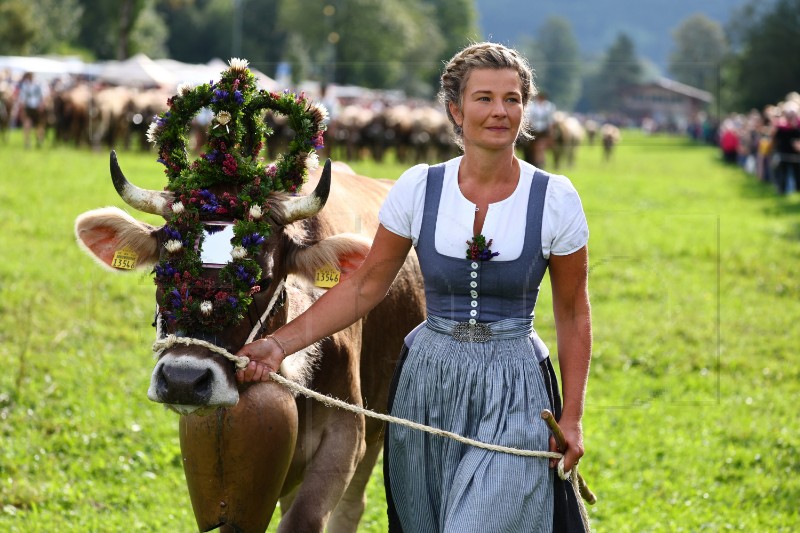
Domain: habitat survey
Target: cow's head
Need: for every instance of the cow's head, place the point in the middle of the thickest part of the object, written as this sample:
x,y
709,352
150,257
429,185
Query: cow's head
x,y
191,377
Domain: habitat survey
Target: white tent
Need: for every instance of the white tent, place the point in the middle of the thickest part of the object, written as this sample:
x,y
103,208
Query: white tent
x,y
137,71
195,74
47,67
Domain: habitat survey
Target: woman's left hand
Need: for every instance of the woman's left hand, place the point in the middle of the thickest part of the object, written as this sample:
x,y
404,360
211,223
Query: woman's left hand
x,y
573,434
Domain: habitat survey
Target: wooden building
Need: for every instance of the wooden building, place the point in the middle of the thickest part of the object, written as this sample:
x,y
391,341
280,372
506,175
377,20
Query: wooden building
x,y
670,104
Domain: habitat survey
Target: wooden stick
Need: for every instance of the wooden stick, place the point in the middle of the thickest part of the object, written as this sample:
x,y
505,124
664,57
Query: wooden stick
x,y
561,444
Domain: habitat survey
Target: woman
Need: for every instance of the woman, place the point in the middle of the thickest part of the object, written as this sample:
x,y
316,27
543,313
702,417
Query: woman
x,y
31,97
476,367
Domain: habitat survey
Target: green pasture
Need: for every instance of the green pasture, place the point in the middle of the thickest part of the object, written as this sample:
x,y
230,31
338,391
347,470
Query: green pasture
x,y
692,410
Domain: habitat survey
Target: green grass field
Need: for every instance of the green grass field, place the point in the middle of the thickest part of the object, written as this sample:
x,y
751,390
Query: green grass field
x,y
691,421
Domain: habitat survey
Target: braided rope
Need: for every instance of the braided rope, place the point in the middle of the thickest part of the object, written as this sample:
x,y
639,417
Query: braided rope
x,y
171,340
570,475
267,311
241,362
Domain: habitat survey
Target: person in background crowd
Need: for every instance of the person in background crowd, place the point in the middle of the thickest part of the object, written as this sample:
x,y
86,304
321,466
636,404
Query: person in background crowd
x,y
31,99
729,141
786,146
540,115
764,148
476,367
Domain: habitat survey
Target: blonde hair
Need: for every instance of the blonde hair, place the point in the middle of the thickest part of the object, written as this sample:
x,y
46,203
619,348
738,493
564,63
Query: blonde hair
x,y
477,56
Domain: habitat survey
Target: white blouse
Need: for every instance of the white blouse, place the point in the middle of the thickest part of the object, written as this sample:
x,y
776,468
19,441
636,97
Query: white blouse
x,y
564,228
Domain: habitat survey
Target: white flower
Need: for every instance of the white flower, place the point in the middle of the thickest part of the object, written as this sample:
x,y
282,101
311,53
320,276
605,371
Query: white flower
x,y
184,88
238,64
323,111
177,208
152,132
238,252
312,160
255,212
223,117
173,246
206,307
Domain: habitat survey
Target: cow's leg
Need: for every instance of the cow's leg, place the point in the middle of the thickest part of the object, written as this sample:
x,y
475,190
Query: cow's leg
x,y
288,500
236,459
328,474
348,513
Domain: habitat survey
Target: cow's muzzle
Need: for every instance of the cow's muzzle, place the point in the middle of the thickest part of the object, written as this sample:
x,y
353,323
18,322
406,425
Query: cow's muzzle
x,y
187,383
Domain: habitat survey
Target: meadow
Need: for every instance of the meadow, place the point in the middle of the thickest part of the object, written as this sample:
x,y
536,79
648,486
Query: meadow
x,y
691,421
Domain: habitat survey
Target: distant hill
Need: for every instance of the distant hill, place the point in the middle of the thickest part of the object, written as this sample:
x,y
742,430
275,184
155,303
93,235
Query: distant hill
x,y
596,23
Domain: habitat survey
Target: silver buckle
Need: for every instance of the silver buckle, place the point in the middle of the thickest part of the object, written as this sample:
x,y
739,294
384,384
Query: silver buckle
x,y
466,332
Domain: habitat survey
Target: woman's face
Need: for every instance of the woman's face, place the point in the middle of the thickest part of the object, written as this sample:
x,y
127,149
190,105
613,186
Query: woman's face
x,y
491,108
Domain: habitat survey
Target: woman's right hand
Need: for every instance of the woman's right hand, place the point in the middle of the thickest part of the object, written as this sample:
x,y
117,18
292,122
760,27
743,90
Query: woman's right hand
x,y
266,356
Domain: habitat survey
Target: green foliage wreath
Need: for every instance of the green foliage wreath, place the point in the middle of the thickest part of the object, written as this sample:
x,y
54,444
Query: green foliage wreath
x,y
230,160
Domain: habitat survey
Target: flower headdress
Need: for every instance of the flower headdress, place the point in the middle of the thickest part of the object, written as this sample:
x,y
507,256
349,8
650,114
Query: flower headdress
x,y
231,159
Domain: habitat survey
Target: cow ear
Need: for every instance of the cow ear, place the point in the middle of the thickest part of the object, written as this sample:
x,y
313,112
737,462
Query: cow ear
x,y
116,240
346,252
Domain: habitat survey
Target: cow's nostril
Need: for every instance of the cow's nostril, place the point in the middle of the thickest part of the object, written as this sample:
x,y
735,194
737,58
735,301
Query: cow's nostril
x,y
162,384
202,386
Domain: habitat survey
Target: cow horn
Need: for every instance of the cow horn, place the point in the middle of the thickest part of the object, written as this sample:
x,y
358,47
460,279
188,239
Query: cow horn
x,y
307,206
147,201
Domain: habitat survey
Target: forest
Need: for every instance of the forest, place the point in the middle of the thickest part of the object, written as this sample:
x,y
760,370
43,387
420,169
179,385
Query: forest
x,y
400,44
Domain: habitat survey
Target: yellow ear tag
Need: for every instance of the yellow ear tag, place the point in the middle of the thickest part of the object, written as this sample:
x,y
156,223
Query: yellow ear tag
x,y
125,259
326,276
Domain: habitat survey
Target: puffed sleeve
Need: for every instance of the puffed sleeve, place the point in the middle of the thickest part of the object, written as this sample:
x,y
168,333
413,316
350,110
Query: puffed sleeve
x,y
564,227
401,212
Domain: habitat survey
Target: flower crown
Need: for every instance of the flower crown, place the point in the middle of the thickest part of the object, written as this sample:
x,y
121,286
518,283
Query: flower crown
x,y
230,159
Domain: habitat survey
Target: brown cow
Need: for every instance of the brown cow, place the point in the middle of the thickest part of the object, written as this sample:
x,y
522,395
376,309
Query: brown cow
x,y
566,134
258,444
611,136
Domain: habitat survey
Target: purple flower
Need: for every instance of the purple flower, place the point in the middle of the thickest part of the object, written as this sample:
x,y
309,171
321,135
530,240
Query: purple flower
x,y
212,156
254,239
219,94
210,202
172,234
244,275
162,121
160,160
208,195
175,298
237,95
165,271
233,301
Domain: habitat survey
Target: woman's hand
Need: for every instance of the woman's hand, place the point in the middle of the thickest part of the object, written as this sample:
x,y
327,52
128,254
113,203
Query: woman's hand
x,y
266,356
573,434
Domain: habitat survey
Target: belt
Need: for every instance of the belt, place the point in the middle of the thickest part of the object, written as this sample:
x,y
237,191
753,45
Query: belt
x,y
508,328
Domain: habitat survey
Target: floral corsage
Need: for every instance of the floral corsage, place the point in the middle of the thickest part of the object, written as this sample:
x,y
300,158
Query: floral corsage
x,y
478,249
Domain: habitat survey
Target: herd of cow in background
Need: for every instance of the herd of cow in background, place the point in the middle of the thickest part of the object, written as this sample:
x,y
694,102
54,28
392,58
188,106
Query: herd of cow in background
x,y
85,114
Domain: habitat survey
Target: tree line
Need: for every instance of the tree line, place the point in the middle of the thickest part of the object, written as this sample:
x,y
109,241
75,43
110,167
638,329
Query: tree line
x,y
400,44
